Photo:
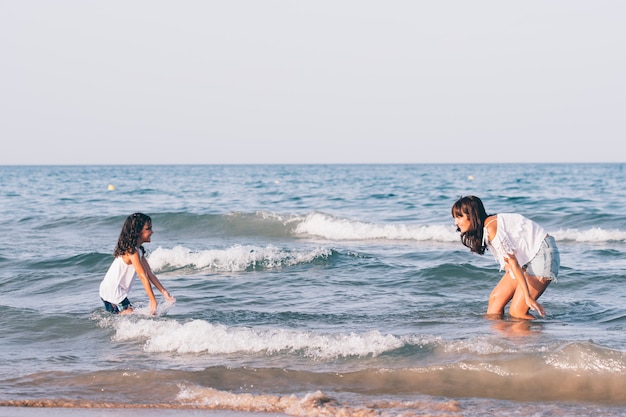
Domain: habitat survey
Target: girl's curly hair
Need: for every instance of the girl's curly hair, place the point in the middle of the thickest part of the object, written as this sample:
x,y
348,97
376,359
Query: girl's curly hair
x,y
131,230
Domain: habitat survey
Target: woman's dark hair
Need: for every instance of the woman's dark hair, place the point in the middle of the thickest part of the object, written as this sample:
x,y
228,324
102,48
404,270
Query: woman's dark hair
x,y
474,209
133,225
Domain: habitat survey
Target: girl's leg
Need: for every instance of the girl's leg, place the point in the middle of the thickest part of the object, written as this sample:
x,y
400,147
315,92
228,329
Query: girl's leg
x,y
501,295
536,287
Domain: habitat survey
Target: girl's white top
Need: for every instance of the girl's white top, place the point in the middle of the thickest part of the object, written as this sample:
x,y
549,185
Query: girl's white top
x,y
118,281
517,236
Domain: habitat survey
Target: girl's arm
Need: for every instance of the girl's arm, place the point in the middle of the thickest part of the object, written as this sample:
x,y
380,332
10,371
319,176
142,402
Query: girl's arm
x,y
515,270
138,264
518,274
154,280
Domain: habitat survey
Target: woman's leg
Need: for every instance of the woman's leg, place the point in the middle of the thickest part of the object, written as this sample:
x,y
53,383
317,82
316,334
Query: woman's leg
x,y
501,295
536,287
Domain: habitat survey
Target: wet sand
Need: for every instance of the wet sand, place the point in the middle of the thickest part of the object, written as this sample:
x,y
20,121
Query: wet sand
x,y
124,412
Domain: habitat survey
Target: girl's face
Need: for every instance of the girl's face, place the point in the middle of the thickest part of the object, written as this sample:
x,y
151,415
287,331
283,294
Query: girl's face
x,y
462,223
146,233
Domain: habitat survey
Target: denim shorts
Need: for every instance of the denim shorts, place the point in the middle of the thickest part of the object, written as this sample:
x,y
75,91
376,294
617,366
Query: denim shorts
x,y
117,308
546,262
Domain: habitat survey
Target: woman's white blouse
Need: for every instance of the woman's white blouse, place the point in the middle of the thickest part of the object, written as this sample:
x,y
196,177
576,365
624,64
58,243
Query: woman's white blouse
x,y
516,235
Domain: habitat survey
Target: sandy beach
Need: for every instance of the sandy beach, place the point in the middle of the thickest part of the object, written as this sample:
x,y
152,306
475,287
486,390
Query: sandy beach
x,y
125,412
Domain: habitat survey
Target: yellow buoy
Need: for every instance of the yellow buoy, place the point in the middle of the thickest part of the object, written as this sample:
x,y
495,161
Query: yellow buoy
x,y
111,187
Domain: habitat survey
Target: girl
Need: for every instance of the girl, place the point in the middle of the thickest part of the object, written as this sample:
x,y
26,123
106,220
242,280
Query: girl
x,y
129,263
524,250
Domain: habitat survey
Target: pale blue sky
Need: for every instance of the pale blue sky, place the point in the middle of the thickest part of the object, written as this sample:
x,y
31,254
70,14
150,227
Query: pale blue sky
x,y
204,82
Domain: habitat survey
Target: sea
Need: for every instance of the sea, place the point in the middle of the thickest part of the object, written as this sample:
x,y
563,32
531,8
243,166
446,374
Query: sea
x,y
309,290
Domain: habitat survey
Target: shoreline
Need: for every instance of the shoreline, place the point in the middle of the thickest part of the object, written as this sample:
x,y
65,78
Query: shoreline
x,y
20,409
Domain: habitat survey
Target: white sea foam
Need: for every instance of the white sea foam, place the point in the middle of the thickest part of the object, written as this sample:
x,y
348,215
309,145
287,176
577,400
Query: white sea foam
x,y
334,228
594,234
588,357
234,259
199,336
311,404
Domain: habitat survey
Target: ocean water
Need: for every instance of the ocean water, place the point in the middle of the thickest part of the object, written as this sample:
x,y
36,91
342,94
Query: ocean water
x,y
310,290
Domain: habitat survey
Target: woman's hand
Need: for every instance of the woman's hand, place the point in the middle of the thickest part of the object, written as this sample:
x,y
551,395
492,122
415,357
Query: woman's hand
x,y
534,305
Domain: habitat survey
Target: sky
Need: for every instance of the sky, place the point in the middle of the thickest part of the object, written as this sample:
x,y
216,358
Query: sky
x,y
321,82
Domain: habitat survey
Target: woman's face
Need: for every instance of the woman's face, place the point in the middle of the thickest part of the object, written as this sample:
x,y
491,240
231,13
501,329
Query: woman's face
x,y
462,223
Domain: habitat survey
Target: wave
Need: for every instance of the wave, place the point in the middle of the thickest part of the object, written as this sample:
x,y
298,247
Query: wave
x,y
594,234
258,223
579,372
518,379
200,336
334,228
315,224
504,357
310,404
307,403
86,260
237,258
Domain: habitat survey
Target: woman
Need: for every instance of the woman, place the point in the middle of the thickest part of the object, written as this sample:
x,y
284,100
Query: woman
x,y
129,263
524,250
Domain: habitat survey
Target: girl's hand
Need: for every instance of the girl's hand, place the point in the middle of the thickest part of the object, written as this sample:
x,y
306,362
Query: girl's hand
x,y
168,297
534,305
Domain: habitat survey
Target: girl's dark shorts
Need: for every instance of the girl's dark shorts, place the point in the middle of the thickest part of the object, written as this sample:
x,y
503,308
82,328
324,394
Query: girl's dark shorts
x,y
117,308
